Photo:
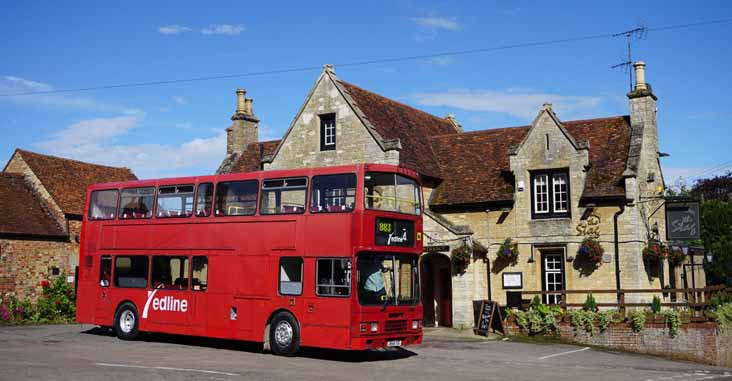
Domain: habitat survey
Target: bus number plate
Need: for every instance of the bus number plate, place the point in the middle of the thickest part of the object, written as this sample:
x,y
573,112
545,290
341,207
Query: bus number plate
x,y
394,343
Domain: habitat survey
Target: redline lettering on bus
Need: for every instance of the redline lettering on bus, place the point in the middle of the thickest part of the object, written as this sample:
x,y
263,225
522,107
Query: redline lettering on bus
x,y
197,272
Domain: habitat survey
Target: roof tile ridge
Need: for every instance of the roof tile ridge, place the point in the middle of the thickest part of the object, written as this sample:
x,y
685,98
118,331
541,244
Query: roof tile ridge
x,y
72,160
478,132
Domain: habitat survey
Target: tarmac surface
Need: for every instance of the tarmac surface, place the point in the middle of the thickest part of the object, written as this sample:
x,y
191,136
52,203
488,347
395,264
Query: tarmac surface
x,y
84,352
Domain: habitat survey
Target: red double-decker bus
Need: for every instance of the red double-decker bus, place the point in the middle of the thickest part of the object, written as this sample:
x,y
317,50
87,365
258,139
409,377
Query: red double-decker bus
x,y
321,257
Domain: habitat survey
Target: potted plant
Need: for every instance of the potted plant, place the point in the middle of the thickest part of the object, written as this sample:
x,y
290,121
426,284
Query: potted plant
x,y
591,250
460,257
676,256
655,252
508,250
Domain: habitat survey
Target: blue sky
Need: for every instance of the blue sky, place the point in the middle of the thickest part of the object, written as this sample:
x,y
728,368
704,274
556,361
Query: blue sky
x,y
177,129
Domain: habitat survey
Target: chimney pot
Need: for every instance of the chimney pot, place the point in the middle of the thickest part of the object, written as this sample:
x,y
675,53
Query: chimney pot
x,y
640,75
240,102
248,106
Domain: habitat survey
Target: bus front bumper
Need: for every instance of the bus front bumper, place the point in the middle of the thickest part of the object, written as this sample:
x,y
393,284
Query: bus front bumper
x,y
386,340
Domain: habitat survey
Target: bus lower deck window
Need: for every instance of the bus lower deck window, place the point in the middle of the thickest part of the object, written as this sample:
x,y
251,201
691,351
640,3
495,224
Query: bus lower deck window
x,y
290,276
130,271
333,277
170,273
105,270
199,277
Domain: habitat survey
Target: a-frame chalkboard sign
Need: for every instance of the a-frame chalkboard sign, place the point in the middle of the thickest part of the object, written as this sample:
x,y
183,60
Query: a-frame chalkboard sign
x,y
490,318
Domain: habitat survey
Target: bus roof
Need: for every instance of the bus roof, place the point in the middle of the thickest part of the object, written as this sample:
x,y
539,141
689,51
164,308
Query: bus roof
x,y
259,175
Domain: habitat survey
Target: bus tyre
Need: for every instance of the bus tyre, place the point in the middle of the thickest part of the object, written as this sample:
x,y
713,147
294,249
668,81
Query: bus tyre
x,y
284,334
126,321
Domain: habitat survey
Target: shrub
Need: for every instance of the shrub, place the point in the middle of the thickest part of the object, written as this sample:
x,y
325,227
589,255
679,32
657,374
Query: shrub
x,y
719,298
656,305
539,319
637,320
673,321
56,305
582,319
590,303
723,315
606,317
591,250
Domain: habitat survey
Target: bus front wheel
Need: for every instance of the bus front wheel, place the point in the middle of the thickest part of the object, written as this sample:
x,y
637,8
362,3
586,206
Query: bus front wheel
x,y
126,322
284,334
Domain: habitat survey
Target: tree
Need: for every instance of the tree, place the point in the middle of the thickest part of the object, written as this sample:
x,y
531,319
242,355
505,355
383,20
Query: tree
x,y
715,188
716,232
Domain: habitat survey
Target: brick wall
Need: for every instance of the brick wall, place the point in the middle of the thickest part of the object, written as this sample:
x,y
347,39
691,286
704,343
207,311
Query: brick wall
x,y
698,342
25,263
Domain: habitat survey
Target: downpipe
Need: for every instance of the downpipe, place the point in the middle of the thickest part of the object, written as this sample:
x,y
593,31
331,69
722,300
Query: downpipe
x,y
616,216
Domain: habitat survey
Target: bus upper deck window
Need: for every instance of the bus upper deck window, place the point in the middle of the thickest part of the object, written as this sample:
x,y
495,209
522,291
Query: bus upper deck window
x,y
137,203
333,193
103,204
175,201
236,198
284,196
204,198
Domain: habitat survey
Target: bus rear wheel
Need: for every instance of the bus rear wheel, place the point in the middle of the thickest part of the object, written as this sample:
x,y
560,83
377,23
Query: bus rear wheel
x,y
126,322
284,334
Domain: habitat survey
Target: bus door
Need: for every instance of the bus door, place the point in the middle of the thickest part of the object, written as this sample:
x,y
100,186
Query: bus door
x,y
170,300
103,302
328,311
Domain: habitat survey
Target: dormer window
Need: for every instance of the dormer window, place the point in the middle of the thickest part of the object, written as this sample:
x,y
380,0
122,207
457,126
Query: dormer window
x,y
327,132
550,194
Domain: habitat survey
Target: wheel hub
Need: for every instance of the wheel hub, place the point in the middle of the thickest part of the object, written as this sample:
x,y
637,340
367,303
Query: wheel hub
x,y
283,334
127,321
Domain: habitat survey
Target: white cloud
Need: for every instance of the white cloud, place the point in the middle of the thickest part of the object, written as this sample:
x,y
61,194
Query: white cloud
x,y
437,23
16,85
97,141
173,29
441,61
521,104
224,29
180,100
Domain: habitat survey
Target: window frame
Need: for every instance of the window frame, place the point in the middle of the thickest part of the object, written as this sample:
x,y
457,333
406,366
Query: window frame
x,y
190,278
279,275
114,270
312,193
211,205
256,200
116,206
551,212
317,277
157,200
284,187
151,211
324,144
187,274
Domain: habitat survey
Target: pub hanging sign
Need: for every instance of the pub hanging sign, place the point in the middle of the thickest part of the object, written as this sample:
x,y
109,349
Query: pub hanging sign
x,y
682,220
391,232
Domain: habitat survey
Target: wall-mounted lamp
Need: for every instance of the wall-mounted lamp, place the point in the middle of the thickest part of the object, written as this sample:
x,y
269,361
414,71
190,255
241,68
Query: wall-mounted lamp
x,y
710,256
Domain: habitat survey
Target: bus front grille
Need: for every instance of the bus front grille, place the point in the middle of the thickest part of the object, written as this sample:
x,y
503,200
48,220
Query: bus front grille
x,y
396,325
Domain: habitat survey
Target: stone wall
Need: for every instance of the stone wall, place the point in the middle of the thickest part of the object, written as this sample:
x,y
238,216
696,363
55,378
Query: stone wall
x,y
25,263
354,143
698,342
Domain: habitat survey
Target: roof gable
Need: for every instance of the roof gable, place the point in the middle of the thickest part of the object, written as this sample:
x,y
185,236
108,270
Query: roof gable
x,y
393,120
22,211
476,164
66,180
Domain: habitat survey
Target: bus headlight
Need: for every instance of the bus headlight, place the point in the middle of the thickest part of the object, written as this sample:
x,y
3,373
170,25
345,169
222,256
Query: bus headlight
x,y
416,324
369,327
374,327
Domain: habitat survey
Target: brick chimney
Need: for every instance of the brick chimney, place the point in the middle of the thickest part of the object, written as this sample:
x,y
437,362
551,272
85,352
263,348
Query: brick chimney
x,y
643,156
245,127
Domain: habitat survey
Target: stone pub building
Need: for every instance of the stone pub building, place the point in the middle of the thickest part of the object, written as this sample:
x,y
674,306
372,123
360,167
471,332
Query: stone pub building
x,y
545,186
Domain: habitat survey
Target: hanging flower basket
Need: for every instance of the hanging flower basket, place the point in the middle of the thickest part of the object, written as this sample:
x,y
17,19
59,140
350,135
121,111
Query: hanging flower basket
x,y
655,252
508,250
460,256
676,256
591,250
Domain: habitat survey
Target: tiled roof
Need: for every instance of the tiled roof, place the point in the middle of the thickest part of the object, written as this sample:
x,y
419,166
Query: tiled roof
x,y
66,180
475,164
394,120
250,160
22,211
